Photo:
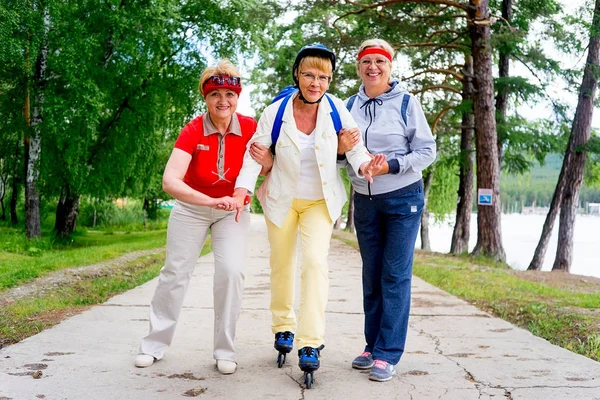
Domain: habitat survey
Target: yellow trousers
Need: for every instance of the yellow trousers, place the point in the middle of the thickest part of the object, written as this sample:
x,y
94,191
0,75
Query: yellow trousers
x,y
312,218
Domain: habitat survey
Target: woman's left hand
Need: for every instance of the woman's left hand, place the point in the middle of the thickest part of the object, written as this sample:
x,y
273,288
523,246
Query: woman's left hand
x,y
371,168
261,155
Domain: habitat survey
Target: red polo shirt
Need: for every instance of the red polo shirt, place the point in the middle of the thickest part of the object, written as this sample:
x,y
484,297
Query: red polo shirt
x,y
216,159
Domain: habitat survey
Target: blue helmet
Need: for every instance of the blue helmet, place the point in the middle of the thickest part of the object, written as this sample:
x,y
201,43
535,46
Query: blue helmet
x,y
313,49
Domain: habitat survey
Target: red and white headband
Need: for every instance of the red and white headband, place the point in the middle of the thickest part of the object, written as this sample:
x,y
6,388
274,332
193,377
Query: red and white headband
x,y
215,82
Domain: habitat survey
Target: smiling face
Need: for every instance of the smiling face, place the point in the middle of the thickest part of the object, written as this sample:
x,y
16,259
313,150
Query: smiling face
x,y
374,70
313,83
221,104
314,76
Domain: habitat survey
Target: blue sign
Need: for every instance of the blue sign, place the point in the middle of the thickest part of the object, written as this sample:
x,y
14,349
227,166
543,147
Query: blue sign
x,y
485,197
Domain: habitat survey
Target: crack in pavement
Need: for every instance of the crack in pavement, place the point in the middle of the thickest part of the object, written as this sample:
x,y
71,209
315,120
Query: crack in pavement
x,y
413,387
302,389
479,385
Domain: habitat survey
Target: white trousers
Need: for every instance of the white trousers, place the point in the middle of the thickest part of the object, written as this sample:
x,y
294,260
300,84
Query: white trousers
x,y
186,233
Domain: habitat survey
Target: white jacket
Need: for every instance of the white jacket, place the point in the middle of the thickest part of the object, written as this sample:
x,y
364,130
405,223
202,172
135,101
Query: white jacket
x,y
284,175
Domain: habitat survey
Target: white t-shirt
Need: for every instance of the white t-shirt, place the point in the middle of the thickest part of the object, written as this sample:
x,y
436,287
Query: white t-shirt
x,y
309,177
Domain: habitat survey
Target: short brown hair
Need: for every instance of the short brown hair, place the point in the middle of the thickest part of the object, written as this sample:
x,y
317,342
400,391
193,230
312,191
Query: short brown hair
x,y
320,63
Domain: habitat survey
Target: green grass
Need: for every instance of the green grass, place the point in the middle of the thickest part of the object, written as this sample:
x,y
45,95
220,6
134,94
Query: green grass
x,y
27,317
560,313
22,261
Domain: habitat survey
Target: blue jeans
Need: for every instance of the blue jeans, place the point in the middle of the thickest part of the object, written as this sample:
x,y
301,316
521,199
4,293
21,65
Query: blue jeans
x,y
387,227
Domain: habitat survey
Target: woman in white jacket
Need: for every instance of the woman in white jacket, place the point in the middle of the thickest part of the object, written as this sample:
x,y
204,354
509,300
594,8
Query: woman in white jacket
x,y
305,191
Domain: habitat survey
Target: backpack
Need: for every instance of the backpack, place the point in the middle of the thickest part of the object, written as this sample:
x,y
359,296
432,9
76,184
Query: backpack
x,y
403,108
287,93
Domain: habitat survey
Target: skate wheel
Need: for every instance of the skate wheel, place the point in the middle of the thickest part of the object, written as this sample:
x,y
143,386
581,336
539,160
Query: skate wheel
x,y
308,379
280,360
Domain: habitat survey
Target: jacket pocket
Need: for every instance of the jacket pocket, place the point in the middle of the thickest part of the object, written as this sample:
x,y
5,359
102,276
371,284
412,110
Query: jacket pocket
x,y
273,191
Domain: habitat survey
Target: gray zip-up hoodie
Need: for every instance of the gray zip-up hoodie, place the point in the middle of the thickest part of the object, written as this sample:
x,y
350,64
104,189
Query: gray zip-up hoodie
x,y
409,147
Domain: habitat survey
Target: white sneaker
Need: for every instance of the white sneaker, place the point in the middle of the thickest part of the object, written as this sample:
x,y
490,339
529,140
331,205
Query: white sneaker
x,y
226,367
144,360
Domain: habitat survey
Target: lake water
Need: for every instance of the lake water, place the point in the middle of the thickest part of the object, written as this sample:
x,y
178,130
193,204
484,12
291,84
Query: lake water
x,y
520,236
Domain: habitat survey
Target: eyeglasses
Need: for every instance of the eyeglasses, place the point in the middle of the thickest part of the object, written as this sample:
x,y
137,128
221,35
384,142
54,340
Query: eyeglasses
x,y
221,80
322,79
365,62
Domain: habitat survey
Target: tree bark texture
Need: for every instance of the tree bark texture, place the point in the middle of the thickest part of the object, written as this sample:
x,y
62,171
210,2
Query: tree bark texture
x,y
427,180
580,134
67,210
14,196
32,197
489,238
2,194
503,72
462,225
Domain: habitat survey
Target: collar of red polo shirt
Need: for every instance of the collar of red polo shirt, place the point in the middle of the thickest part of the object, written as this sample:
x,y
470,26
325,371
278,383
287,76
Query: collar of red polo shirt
x,y
215,82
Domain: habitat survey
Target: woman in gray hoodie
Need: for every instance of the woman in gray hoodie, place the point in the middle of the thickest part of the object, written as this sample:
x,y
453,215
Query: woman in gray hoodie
x,y
387,212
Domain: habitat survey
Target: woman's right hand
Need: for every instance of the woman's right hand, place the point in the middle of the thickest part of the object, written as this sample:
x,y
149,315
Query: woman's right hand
x,y
347,139
226,203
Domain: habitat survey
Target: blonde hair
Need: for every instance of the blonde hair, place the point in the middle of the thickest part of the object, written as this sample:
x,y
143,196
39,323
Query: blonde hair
x,y
223,68
320,63
380,43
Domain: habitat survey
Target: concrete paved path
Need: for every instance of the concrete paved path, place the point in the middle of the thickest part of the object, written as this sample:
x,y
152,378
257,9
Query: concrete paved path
x,y
454,350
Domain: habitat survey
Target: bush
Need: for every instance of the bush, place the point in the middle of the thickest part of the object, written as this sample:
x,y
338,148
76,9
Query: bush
x,y
108,214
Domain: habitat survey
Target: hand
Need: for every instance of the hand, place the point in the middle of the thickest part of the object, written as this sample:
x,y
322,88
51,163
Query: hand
x,y
225,203
371,168
347,139
261,155
239,194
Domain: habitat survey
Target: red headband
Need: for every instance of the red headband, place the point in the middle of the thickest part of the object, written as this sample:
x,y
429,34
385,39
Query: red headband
x,y
215,82
374,50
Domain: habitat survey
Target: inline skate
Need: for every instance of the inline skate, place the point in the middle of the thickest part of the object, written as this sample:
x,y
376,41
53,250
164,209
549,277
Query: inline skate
x,y
309,363
284,342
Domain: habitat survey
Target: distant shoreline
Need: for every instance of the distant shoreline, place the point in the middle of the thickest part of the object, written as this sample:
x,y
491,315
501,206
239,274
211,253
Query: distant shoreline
x,y
520,235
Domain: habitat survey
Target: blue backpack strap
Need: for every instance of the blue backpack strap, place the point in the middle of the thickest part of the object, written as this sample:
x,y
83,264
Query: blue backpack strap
x,y
284,92
279,119
404,107
335,115
350,102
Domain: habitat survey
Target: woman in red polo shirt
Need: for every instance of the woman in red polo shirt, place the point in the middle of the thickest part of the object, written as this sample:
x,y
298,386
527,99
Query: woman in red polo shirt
x,y
200,175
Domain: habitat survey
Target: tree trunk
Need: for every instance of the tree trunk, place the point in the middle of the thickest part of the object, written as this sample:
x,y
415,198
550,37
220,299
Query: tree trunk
x,y
540,251
427,180
67,210
489,237
2,190
14,196
338,223
503,72
350,222
462,226
32,197
580,135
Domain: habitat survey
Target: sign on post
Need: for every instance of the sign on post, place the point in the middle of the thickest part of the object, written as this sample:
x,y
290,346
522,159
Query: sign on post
x,y
485,197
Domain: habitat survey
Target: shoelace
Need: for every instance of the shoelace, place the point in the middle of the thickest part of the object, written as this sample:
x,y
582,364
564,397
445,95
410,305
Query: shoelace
x,y
380,364
365,354
287,335
308,351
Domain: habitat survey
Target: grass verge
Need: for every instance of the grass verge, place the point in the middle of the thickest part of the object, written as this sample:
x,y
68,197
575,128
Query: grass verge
x,y
561,308
22,261
27,317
